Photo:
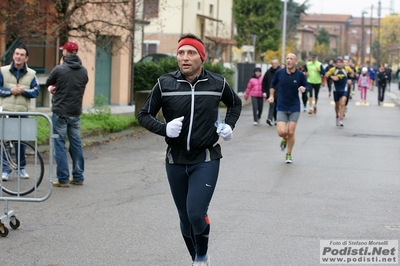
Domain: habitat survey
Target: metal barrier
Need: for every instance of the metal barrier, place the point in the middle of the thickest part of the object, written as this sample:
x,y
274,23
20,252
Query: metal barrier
x,y
22,167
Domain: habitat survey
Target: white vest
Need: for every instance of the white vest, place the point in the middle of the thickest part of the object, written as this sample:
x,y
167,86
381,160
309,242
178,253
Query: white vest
x,y
16,103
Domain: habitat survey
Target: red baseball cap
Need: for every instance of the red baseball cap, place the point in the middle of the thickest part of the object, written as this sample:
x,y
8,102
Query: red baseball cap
x,y
70,47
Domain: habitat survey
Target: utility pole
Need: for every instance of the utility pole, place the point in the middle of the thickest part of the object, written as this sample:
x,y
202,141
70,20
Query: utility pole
x,y
362,38
370,37
378,59
284,32
132,53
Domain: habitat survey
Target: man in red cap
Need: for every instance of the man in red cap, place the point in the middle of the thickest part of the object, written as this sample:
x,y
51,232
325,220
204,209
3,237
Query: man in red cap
x,y
69,79
70,47
190,100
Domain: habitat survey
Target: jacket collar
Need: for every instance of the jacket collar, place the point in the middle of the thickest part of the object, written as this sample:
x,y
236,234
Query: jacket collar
x,y
14,70
203,75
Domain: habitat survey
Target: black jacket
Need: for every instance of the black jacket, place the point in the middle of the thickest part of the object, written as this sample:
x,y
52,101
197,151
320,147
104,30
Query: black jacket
x,y
382,77
266,83
70,80
198,102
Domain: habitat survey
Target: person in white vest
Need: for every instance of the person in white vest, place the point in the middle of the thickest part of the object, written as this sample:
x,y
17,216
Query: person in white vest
x,y
18,85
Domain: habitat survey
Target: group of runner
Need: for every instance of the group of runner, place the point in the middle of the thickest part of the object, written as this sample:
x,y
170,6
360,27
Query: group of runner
x,y
280,86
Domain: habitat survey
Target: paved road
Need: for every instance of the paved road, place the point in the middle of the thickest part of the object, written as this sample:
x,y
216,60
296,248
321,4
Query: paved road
x,y
344,184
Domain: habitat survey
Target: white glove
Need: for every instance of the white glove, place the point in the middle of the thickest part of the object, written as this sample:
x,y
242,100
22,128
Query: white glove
x,y
226,133
174,127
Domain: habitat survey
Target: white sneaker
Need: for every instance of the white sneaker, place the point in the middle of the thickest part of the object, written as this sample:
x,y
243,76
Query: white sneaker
x,y
202,263
5,176
22,174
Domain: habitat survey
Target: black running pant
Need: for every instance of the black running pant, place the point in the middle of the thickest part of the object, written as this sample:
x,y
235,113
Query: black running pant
x,y
192,187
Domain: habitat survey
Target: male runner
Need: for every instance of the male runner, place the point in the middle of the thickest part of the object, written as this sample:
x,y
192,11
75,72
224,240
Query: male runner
x,y
291,81
340,76
314,72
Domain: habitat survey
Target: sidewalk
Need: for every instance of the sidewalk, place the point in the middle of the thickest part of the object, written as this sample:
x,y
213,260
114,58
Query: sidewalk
x,y
394,93
98,137
115,109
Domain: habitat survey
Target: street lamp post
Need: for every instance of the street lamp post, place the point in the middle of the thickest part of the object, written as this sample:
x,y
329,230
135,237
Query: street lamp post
x,y
378,54
348,21
370,37
284,31
253,40
362,38
347,38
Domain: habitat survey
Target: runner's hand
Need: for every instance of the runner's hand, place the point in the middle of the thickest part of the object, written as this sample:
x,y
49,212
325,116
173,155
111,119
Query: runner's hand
x,y
174,127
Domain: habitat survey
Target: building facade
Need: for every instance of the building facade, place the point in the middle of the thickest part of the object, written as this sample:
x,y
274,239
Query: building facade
x,y
109,66
347,34
211,20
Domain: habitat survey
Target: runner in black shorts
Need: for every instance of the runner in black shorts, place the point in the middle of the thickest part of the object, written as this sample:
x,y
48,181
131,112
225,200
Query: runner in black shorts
x,y
340,75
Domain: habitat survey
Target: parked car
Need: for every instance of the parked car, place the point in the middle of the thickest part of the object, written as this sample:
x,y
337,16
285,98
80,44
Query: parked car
x,y
153,58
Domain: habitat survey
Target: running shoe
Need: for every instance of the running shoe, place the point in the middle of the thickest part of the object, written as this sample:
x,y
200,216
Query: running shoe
x,y
5,176
289,158
269,122
315,109
255,123
283,144
305,108
341,123
337,121
310,111
202,262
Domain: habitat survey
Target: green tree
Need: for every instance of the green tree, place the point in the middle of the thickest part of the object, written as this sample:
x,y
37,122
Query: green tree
x,y
323,37
322,50
85,19
389,38
258,17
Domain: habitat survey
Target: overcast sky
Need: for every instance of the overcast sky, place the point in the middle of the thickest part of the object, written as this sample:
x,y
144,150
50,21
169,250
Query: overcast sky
x,y
351,7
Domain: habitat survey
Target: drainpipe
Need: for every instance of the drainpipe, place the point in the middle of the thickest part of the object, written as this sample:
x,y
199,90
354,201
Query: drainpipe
x,y
183,6
132,101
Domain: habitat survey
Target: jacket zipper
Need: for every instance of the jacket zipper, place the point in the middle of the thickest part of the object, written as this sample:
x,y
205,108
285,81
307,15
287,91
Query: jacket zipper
x,y
192,88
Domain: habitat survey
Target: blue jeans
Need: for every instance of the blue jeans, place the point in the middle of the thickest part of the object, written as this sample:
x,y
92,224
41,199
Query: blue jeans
x,y
22,162
68,126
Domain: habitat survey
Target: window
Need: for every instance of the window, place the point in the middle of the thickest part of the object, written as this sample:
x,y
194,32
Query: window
x,y
198,5
353,48
149,47
211,10
150,9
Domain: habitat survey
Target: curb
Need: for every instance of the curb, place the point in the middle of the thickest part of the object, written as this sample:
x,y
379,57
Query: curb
x,y
102,138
